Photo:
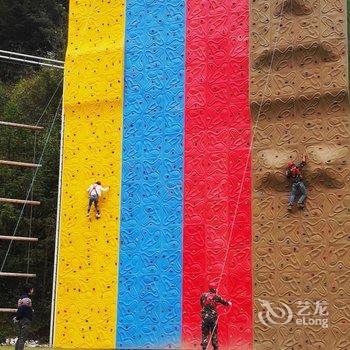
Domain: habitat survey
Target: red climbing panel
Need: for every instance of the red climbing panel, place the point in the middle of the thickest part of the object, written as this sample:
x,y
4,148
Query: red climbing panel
x,y
217,214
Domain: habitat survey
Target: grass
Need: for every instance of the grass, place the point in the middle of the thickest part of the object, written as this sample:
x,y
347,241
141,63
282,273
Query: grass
x,y
27,348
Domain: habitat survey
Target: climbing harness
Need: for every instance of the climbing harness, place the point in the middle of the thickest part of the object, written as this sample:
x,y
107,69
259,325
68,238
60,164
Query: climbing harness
x,y
93,189
210,300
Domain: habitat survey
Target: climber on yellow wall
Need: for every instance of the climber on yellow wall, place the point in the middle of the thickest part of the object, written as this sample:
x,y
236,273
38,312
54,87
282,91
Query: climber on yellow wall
x,y
95,191
294,174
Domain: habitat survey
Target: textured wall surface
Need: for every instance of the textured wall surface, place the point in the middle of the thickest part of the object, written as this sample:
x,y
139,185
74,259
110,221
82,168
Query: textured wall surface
x,y
217,222
302,255
88,252
149,310
348,16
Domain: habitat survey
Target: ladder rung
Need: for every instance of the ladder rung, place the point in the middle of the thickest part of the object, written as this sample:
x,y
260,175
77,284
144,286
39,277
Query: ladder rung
x,y
23,126
27,165
18,201
19,238
4,309
14,274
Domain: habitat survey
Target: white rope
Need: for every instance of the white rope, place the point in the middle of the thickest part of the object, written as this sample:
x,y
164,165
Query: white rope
x,y
31,56
57,238
30,61
53,95
32,183
248,157
16,63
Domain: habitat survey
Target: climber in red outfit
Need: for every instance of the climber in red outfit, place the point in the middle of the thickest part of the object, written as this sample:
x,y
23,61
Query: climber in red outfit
x,y
294,173
209,315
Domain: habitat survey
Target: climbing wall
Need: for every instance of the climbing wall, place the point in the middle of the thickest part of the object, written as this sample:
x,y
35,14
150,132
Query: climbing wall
x,y
85,314
299,103
182,197
149,309
348,25
217,215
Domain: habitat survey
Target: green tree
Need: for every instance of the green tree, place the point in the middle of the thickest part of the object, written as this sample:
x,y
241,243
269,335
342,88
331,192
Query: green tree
x,y
39,28
32,27
26,103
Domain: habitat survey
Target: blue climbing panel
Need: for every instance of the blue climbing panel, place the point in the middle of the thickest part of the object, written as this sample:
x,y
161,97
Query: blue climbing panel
x,y
150,268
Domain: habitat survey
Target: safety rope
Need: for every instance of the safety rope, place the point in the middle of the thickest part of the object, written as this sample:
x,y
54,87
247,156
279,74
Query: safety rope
x,y
53,95
32,182
31,209
255,125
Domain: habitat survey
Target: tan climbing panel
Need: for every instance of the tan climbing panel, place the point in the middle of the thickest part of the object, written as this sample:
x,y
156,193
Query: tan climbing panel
x,y
299,102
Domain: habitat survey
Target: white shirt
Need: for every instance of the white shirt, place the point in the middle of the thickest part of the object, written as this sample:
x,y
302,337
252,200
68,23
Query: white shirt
x,y
97,189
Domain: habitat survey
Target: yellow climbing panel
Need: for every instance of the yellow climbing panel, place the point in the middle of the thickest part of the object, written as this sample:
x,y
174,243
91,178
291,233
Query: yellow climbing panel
x,y
85,313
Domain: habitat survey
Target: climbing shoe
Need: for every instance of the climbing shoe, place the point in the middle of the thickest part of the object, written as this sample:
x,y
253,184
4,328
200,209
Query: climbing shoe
x,y
289,207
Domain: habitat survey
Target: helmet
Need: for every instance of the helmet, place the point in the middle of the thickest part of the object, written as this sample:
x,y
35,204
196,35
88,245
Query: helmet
x,y
212,286
290,164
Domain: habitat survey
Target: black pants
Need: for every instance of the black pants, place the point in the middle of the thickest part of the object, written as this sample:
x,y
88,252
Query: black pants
x,y
210,327
93,200
23,332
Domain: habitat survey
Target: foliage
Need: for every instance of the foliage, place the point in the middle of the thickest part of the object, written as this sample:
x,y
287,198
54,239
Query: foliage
x,y
33,27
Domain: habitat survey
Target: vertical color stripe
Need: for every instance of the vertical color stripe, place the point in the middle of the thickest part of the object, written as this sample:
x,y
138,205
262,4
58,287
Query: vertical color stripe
x,y
149,309
88,251
217,187
348,40
299,102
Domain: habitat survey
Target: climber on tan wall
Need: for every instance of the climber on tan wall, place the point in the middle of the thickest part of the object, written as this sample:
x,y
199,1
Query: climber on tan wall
x,y
295,175
95,191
